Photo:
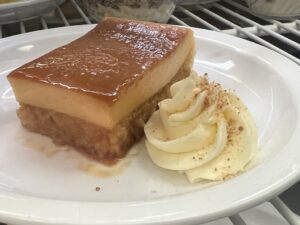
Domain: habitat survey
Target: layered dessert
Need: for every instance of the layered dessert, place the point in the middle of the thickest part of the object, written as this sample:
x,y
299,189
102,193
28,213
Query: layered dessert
x,y
275,9
202,130
149,10
96,93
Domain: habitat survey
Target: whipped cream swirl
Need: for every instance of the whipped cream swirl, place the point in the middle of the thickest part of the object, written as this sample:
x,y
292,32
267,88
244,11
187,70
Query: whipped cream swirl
x,y
202,130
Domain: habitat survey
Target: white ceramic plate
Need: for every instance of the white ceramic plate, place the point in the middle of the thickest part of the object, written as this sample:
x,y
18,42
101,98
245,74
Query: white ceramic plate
x,y
21,9
35,188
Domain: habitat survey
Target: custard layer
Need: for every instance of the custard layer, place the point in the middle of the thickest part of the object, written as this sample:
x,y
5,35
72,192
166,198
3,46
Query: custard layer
x,y
106,74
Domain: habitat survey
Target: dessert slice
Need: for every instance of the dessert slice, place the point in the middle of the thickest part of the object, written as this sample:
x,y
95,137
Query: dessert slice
x,y
96,93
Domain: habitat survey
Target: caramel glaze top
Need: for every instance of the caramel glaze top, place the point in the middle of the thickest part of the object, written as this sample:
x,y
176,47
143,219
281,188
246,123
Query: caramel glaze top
x,y
107,60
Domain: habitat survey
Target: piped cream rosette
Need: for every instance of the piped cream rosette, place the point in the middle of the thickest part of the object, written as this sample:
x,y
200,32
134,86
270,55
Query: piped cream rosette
x,y
202,130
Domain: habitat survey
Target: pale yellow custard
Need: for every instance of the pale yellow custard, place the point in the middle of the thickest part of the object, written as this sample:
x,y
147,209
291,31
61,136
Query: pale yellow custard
x,y
202,130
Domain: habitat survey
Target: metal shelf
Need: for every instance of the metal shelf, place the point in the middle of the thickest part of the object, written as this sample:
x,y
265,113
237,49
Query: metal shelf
x,y
239,21
226,16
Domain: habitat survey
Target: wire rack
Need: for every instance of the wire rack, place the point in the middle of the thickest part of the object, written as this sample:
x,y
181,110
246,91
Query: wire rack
x,y
226,16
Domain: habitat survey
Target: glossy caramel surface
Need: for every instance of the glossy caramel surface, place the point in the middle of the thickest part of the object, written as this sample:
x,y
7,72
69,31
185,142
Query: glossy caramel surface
x,y
107,60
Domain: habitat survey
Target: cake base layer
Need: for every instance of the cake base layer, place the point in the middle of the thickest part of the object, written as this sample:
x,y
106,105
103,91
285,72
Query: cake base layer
x,y
98,143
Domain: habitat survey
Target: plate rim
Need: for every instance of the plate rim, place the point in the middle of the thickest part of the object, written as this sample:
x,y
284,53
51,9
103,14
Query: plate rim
x,y
62,211
24,9
18,3
22,3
